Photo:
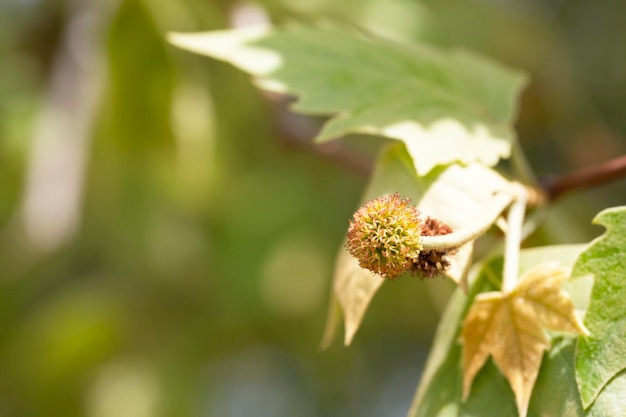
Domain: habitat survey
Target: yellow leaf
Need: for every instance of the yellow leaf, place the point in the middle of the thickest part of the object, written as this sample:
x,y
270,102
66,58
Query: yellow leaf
x,y
541,288
354,288
509,327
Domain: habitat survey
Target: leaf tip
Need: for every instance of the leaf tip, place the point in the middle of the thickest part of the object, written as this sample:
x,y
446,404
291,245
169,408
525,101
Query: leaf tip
x,y
333,318
522,409
174,38
192,42
350,328
350,332
583,330
467,386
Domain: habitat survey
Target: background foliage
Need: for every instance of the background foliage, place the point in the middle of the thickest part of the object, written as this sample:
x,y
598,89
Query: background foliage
x,y
166,246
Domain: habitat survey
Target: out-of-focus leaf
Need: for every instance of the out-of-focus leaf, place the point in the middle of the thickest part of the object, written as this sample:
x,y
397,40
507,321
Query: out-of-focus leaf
x,y
354,288
440,389
509,327
333,317
446,107
458,196
602,355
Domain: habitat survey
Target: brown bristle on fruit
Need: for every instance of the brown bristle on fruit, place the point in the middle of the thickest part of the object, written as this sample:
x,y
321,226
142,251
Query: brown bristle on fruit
x,y
433,263
433,227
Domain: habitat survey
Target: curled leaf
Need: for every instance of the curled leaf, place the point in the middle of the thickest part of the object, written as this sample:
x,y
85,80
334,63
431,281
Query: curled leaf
x,y
354,288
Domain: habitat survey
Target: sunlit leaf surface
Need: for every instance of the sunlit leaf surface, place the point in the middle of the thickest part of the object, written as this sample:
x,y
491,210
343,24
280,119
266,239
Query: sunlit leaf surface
x,y
601,356
445,107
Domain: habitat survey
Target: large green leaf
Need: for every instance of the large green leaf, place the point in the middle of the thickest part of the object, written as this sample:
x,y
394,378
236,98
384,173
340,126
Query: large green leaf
x,y
459,196
602,355
556,392
439,392
445,107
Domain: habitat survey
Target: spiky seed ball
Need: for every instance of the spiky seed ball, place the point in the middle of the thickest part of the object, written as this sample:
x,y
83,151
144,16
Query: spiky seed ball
x,y
384,235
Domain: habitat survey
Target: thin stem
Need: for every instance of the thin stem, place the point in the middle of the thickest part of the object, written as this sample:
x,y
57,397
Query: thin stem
x,y
512,243
454,239
596,175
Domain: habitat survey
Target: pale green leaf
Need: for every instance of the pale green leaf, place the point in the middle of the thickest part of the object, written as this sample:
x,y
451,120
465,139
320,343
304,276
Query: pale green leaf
x,y
456,195
602,355
446,107
354,288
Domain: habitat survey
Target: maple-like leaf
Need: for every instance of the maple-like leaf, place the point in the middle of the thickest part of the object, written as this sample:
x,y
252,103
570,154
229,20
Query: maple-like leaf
x,y
510,328
446,106
602,356
439,391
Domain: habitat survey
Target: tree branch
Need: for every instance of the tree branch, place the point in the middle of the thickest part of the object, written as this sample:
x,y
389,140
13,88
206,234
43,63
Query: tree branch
x,y
556,187
297,131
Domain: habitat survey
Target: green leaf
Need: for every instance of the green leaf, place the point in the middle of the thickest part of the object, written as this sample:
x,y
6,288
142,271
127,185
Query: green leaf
x,y
458,196
446,107
602,355
439,391
556,392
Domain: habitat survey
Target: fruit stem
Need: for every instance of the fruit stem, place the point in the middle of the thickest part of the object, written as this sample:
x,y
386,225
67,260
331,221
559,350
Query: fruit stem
x,y
471,232
512,243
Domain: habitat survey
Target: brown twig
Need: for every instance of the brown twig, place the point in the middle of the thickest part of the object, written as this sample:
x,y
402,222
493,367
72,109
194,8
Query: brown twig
x,y
555,187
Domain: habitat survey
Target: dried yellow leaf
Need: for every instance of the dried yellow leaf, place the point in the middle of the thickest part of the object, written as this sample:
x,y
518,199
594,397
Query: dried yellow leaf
x,y
509,327
354,288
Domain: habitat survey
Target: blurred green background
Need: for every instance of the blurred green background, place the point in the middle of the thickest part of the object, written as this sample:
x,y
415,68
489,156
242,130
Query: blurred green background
x,y
167,233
